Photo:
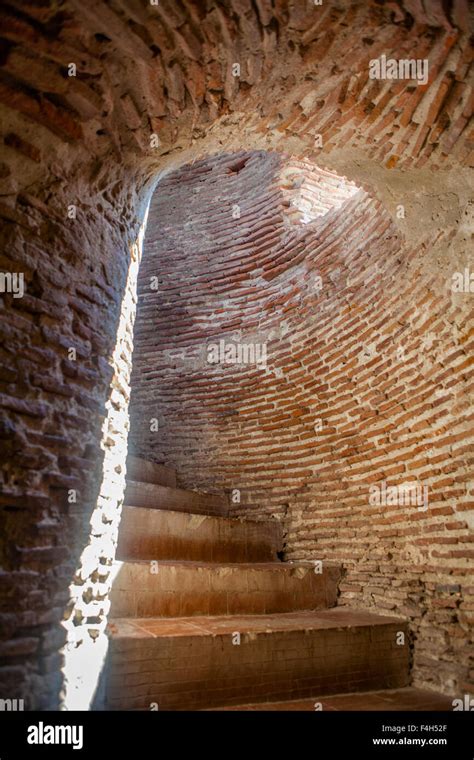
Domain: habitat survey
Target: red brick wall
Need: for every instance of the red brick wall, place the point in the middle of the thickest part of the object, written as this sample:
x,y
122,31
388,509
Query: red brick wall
x,y
64,396
381,355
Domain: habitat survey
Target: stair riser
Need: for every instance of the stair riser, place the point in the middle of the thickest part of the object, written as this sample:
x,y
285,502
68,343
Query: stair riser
x,y
153,496
155,535
180,590
149,472
198,672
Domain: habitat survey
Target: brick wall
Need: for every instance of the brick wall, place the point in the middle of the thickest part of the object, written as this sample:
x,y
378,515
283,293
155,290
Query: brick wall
x,y
367,380
64,395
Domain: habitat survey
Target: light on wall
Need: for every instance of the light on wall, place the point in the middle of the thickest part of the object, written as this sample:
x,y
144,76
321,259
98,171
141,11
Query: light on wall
x,y
87,643
311,192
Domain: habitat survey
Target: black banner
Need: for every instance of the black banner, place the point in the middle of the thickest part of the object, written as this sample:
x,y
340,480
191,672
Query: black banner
x,y
360,734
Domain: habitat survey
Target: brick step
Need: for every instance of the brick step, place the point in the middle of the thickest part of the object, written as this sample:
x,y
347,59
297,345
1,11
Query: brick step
x,y
150,472
406,699
153,496
192,663
156,534
198,588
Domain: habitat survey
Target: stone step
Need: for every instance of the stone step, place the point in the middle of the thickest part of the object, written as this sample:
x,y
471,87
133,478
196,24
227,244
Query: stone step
x,y
196,588
406,699
155,534
153,496
196,663
150,472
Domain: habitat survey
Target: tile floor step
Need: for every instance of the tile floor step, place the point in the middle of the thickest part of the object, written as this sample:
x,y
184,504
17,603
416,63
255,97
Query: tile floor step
x,y
195,663
164,534
150,472
139,494
198,588
405,699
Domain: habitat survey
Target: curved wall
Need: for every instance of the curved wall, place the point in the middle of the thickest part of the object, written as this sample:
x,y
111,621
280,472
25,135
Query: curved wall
x,y
365,381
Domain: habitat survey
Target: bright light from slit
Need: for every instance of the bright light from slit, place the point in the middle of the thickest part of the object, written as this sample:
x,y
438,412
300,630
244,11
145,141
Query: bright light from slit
x,y
86,648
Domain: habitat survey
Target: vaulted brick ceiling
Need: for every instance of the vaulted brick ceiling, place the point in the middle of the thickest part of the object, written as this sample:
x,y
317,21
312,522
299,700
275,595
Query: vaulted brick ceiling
x,y
167,69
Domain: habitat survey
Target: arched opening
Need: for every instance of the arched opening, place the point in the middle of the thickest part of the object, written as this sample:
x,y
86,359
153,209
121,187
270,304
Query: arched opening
x,y
273,364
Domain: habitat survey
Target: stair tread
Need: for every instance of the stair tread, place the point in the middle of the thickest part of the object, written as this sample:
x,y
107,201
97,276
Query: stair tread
x,y
159,487
404,699
221,518
337,617
219,565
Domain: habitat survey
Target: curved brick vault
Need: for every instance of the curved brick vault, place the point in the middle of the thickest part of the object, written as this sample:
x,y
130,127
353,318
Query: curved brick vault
x,y
77,168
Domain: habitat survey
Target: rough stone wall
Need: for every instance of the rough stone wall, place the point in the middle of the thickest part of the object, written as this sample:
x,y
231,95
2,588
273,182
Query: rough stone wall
x,y
58,370
368,378
88,141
